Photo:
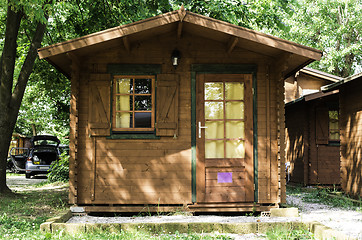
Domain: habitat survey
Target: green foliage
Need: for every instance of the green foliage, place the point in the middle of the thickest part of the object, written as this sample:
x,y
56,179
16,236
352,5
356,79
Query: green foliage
x,y
333,26
287,233
46,103
59,169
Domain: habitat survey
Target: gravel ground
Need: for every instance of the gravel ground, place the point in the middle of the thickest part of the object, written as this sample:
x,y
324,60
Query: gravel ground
x,y
346,221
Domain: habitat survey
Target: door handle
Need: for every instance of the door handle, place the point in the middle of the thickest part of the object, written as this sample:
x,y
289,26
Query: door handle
x,y
201,127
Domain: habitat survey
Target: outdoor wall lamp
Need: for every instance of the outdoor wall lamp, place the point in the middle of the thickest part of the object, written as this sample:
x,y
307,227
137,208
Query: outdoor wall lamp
x,y
175,57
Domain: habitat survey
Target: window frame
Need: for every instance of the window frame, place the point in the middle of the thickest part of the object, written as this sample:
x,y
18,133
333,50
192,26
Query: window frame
x,y
330,140
153,103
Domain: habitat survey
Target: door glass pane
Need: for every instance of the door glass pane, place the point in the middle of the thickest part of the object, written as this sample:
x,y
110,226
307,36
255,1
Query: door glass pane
x,y
123,120
123,86
213,91
214,149
235,149
214,130
234,91
214,110
235,110
235,129
123,103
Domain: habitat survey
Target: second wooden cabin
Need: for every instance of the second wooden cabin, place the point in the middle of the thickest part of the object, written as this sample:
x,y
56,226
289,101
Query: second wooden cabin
x,y
312,129
177,110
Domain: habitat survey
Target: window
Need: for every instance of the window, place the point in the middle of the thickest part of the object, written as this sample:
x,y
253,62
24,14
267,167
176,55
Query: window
x,y
333,125
134,103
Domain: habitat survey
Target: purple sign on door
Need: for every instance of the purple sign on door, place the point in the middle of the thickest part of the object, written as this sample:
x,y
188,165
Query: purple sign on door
x,y
224,177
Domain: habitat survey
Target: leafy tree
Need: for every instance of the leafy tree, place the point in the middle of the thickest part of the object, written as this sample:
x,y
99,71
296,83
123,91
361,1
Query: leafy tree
x,y
18,54
333,26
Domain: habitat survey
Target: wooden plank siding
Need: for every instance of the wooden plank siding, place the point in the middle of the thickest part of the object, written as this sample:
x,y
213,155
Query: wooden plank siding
x,y
158,171
351,137
314,158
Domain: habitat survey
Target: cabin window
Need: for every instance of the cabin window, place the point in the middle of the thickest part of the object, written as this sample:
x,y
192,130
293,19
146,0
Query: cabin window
x,y
333,125
134,103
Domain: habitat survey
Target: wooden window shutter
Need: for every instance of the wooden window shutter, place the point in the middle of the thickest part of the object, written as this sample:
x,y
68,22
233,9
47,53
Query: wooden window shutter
x,y
321,123
167,105
99,105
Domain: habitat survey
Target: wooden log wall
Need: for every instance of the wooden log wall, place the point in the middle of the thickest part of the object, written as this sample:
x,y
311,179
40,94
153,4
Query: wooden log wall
x,y
351,134
296,141
159,171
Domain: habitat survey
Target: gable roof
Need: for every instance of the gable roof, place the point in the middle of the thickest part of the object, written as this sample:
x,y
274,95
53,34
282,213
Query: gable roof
x,y
182,21
320,74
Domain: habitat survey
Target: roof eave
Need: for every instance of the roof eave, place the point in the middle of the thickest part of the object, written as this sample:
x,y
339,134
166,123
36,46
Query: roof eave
x,y
175,16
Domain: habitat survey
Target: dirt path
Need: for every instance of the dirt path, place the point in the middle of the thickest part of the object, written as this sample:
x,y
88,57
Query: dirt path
x,y
18,182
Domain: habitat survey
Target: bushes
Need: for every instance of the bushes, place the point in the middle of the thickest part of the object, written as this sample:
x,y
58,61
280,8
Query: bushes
x,y
59,169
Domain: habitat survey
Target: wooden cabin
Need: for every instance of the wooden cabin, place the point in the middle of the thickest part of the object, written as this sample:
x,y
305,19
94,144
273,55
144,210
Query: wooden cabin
x,y
19,141
311,121
312,139
307,81
350,106
177,110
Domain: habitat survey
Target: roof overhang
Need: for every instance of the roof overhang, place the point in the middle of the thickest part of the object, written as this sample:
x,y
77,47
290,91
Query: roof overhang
x,y
337,85
295,56
320,74
311,97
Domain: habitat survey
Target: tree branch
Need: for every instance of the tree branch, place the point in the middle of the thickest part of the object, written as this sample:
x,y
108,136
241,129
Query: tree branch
x,y
27,67
8,55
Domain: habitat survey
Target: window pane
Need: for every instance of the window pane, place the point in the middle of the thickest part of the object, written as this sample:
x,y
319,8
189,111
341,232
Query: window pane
x,y
234,91
123,86
143,103
214,130
143,119
334,136
214,149
214,110
333,115
123,120
235,110
213,91
123,103
235,129
333,125
143,86
235,149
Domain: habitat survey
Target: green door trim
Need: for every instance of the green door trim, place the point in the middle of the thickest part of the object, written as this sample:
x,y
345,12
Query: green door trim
x,y
222,69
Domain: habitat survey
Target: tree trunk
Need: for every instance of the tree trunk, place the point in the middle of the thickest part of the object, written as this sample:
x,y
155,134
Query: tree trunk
x,y
10,101
33,127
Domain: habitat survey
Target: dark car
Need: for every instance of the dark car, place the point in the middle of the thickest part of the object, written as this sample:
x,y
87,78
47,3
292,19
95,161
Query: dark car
x,y
17,159
44,150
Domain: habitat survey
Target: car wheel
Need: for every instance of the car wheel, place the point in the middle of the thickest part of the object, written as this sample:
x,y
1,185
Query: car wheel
x,y
27,175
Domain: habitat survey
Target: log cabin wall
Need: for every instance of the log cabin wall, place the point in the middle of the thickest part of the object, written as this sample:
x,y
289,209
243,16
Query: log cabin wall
x,y
351,133
297,142
314,157
323,156
158,171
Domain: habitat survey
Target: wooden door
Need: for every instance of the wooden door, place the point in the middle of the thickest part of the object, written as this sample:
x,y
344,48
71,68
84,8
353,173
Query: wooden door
x,y
224,133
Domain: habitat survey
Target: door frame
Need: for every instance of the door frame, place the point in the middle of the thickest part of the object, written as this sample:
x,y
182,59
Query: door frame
x,y
222,69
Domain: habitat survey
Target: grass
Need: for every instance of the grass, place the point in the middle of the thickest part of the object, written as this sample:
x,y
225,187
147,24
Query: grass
x,y
22,212
279,233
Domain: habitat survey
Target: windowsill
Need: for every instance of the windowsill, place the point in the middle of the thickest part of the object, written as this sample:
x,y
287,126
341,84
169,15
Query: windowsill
x,y
337,144
129,135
